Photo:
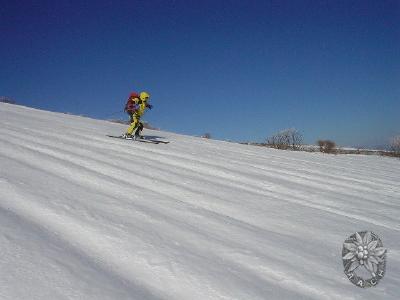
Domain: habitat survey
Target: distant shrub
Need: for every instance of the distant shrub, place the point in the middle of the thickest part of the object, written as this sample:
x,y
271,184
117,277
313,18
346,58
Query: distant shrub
x,y
326,146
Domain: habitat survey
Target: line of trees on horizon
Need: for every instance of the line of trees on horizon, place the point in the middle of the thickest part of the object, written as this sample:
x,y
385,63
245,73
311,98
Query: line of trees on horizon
x,y
292,139
5,99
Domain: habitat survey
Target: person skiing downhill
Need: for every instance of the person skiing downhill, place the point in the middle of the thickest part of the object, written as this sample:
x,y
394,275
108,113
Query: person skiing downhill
x,y
135,107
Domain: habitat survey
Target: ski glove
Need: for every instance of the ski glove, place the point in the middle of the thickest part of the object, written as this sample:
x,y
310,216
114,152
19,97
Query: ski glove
x,y
149,106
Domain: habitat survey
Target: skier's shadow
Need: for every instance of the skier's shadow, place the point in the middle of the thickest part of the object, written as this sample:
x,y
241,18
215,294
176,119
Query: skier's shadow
x,y
153,137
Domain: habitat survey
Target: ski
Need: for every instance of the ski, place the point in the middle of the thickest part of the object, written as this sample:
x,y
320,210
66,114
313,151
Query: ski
x,y
153,140
144,140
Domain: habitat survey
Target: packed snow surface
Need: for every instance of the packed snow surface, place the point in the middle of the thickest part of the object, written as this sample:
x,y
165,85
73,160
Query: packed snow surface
x,y
85,216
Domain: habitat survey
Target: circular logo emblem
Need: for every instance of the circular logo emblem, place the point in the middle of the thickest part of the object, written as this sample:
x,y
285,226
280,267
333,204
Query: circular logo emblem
x,y
363,254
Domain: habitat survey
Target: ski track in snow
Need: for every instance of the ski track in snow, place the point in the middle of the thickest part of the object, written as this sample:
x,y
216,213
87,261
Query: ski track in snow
x,y
84,216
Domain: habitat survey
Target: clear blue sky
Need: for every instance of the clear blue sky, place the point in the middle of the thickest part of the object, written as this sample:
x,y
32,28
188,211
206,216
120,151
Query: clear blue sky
x,y
240,70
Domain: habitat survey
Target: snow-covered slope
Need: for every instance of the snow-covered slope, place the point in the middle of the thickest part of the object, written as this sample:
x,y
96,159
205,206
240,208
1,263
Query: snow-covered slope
x,y
84,216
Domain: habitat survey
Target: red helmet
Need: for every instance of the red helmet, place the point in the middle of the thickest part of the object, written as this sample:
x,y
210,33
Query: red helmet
x,y
133,95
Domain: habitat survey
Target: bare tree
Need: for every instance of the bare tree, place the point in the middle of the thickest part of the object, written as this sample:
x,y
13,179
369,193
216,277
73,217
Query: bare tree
x,y
296,139
279,140
395,145
286,139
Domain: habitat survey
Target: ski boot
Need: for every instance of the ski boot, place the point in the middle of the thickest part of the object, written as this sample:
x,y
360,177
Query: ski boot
x,y
137,136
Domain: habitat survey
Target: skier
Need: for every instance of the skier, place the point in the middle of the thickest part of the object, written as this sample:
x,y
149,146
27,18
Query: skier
x,y
136,107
